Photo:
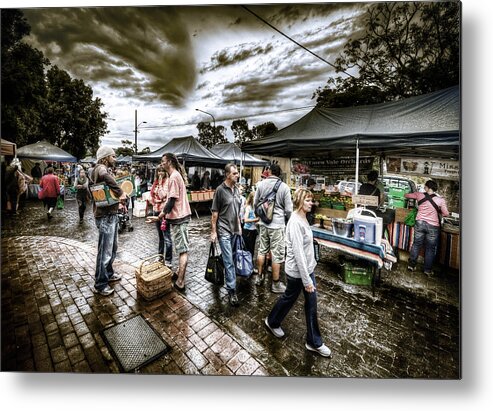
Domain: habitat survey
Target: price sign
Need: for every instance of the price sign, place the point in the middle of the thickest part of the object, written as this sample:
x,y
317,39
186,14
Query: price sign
x,y
365,200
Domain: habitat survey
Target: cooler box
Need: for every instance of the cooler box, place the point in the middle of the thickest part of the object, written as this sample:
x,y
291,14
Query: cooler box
x,y
367,228
140,208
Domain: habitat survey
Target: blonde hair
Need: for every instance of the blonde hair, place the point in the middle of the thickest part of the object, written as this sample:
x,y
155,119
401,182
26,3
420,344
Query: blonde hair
x,y
299,196
249,200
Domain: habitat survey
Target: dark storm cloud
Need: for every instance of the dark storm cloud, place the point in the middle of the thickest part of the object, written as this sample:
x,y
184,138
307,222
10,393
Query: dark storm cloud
x,y
235,55
152,42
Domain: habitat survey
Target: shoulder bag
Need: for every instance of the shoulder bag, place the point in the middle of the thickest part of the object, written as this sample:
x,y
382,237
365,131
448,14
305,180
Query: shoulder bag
x,y
214,272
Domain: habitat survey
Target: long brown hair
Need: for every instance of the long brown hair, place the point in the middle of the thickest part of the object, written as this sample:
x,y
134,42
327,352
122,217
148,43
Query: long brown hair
x,y
176,165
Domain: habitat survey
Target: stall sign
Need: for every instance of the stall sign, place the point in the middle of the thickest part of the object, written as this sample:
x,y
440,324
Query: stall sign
x,y
332,166
446,169
365,200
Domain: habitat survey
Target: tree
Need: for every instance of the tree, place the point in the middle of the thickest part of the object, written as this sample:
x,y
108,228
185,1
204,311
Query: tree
x,y
241,131
209,136
263,130
38,102
23,82
72,120
127,149
408,48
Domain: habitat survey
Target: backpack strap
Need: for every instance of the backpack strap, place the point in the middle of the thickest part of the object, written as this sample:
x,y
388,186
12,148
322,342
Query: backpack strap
x,y
430,199
276,186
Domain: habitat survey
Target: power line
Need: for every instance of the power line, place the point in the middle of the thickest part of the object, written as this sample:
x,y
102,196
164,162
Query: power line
x,y
293,40
227,119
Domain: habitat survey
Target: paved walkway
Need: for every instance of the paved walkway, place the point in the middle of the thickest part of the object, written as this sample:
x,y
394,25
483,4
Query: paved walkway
x,y
52,320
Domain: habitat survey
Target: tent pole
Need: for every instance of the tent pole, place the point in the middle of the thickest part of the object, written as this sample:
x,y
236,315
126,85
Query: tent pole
x,y
357,167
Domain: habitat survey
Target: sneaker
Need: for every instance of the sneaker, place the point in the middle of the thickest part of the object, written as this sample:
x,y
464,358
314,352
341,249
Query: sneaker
x,y
233,300
411,268
277,287
323,350
115,277
278,332
168,264
105,291
429,273
259,279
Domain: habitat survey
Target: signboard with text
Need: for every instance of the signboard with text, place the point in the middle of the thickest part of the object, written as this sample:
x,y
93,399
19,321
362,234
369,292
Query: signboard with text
x,y
332,166
446,169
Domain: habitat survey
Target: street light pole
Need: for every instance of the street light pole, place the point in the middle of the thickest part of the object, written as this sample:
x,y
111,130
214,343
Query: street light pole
x,y
213,119
137,130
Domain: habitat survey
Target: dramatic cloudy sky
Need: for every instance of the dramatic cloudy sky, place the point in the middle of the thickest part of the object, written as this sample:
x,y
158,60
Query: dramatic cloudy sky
x,y
167,61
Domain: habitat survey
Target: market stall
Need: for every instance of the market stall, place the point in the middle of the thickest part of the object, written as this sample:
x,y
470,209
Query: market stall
x,y
417,136
44,153
190,153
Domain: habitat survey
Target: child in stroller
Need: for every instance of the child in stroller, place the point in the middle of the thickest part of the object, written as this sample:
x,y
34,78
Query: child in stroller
x,y
124,220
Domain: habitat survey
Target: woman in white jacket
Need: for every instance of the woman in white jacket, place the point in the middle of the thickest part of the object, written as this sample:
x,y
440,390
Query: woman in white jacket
x,y
299,266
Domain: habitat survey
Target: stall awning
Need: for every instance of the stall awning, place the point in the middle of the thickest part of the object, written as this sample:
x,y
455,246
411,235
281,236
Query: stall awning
x,y
8,148
43,150
187,149
233,153
426,125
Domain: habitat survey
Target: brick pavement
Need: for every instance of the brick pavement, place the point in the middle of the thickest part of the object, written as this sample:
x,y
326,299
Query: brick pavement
x,y
409,329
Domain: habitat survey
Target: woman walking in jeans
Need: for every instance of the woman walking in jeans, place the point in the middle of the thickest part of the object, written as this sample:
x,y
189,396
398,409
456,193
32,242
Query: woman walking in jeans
x,y
299,266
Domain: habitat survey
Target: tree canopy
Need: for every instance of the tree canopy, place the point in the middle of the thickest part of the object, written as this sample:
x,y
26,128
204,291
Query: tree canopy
x,y
407,49
209,135
40,101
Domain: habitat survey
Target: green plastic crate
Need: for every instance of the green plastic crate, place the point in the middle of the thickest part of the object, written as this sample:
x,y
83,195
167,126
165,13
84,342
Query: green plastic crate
x,y
357,275
338,206
399,202
397,192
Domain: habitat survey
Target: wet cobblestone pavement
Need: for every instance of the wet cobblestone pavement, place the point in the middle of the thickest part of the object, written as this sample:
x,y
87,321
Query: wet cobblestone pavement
x,y
52,321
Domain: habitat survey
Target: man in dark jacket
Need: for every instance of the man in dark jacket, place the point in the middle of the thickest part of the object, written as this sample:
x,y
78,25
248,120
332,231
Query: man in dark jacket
x,y
107,222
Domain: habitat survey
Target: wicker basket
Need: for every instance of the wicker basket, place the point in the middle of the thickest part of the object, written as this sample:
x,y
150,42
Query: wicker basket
x,y
153,278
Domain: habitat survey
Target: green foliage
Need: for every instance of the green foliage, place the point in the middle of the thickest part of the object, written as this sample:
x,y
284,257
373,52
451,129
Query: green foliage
x,y
407,48
43,102
241,131
263,130
127,149
209,136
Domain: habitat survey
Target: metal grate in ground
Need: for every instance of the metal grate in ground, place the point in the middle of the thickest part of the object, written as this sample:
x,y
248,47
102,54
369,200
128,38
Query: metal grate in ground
x,y
134,343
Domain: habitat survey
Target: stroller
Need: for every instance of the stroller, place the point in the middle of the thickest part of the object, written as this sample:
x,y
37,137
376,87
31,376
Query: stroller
x,y
124,219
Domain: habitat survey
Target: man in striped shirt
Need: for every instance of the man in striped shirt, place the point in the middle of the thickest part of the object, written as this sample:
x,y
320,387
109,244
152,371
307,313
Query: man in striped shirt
x,y
431,208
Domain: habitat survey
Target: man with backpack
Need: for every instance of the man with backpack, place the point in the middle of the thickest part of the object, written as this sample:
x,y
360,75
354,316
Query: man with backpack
x,y
273,215
431,208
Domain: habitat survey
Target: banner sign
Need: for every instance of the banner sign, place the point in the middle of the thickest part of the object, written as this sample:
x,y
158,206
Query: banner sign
x,y
332,166
446,169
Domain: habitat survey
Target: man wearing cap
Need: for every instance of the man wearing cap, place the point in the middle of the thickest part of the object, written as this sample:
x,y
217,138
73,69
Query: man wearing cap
x,y
107,222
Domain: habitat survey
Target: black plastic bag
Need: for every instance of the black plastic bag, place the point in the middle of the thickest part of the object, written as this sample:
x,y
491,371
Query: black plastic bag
x,y
214,272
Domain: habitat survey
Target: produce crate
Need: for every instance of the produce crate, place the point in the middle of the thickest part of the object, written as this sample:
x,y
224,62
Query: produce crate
x,y
397,192
357,274
399,202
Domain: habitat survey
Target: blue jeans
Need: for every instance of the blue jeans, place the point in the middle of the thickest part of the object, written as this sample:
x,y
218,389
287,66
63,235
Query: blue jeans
x,y
164,240
226,244
286,302
107,246
427,235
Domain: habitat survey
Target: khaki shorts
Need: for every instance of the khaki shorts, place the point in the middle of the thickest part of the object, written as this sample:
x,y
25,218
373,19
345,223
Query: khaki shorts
x,y
179,236
272,239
